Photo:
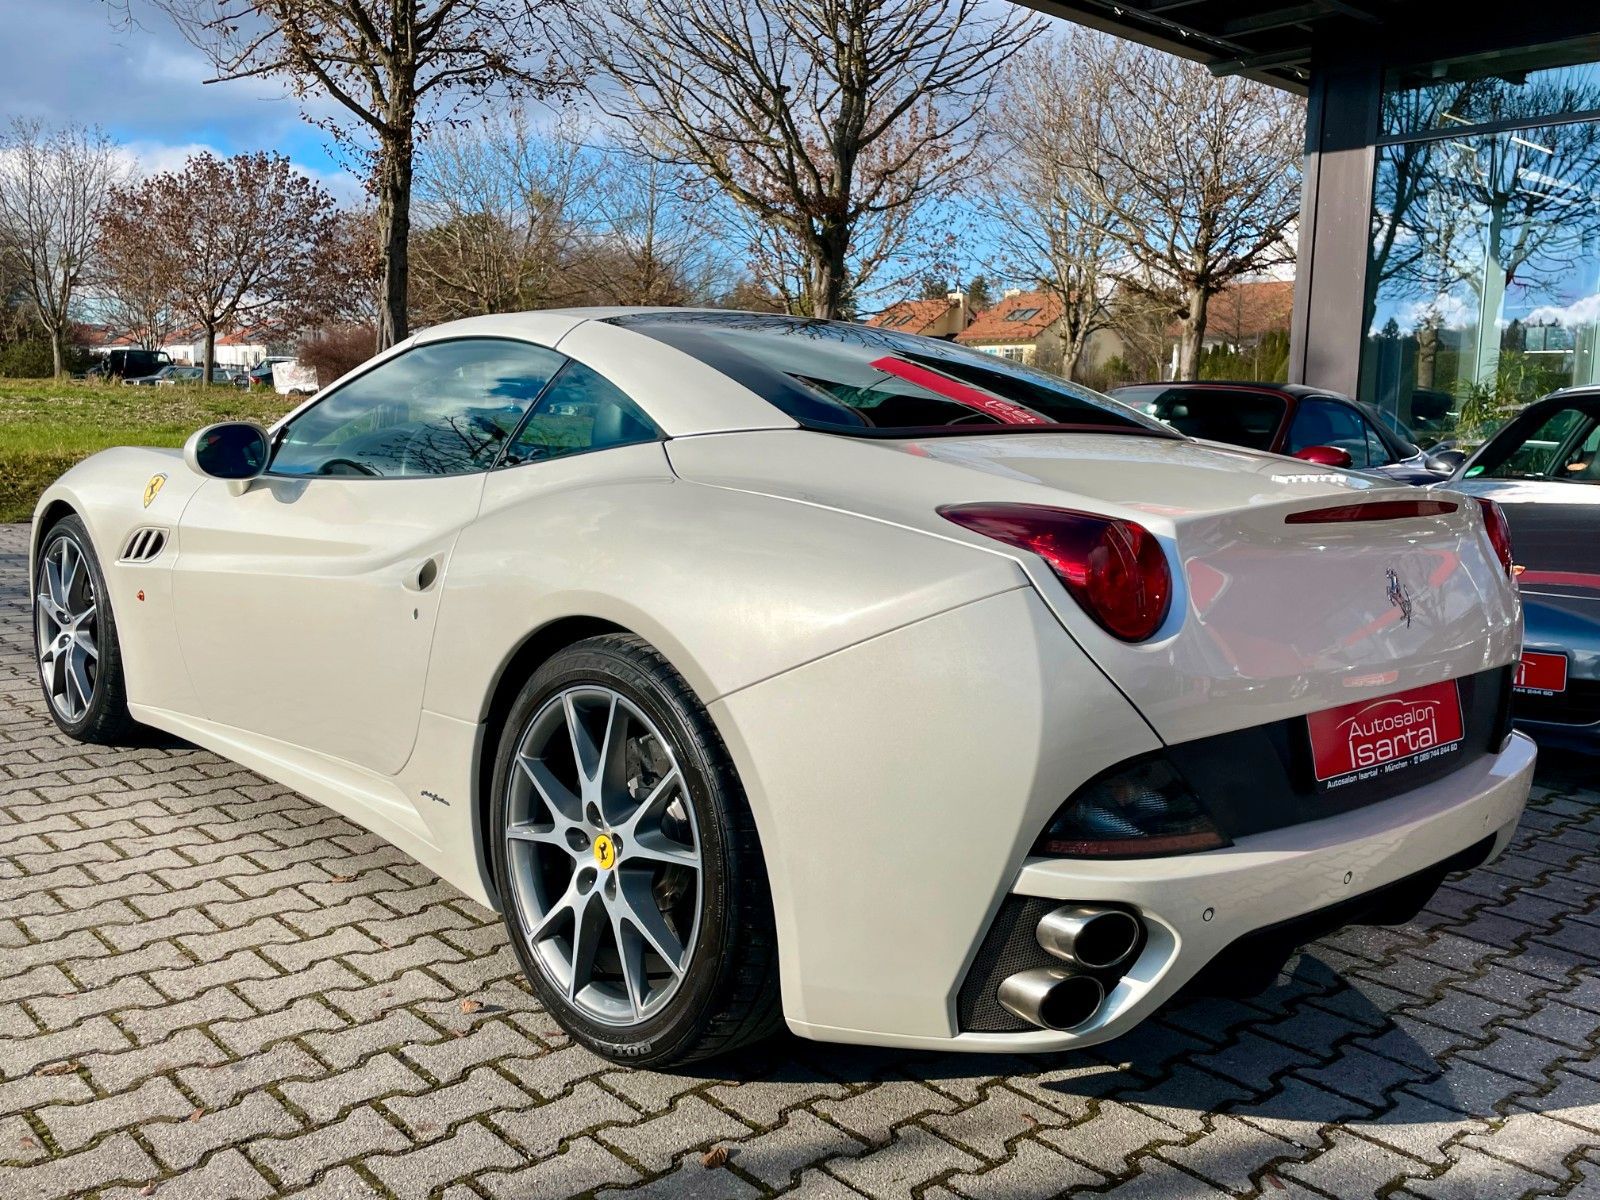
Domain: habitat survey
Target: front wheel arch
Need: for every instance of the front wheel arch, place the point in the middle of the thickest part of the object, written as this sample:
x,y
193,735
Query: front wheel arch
x,y
43,523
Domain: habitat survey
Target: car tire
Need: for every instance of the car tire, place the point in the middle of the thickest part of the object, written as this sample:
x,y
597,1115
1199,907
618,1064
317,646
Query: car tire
x,y
63,623
723,992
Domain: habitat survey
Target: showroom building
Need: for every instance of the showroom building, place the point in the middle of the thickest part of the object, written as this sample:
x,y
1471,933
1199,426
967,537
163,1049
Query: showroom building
x,y
1449,252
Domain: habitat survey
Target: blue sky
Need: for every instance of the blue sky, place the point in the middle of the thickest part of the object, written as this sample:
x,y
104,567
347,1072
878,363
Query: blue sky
x,y
68,61
64,61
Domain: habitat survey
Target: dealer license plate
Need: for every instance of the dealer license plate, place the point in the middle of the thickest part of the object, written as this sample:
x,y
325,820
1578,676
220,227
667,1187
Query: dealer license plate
x,y
1541,674
1371,738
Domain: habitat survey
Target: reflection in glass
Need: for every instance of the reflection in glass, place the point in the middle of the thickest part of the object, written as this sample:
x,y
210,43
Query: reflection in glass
x,y
1484,280
1446,96
442,408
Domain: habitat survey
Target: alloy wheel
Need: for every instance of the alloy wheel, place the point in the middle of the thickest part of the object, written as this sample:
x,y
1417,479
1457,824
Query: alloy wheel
x,y
604,855
69,654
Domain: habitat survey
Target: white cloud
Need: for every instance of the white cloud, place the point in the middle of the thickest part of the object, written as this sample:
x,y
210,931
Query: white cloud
x,y
1585,311
67,62
1446,310
145,158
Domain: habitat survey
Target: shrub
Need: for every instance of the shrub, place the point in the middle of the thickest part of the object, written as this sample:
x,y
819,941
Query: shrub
x,y
336,349
27,359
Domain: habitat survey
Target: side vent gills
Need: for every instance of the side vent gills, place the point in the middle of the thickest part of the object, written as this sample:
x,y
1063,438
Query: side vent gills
x,y
145,545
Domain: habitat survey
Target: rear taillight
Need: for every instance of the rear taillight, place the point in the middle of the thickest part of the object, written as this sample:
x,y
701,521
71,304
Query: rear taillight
x,y
1135,810
1114,569
1494,520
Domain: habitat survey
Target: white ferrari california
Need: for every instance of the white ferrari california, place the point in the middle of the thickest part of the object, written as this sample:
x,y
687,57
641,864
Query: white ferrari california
x,y
770,670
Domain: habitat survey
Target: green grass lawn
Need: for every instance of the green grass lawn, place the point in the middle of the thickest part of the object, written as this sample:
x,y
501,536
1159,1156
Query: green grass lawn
x,y
45,426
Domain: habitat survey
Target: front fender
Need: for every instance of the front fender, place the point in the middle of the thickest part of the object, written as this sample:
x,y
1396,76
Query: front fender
x,y
108,492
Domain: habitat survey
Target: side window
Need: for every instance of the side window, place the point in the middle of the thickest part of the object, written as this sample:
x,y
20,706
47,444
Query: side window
x,y
1325,423
581,411
443,408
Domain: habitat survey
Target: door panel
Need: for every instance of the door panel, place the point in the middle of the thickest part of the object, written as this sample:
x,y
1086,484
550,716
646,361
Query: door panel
x,y
306,607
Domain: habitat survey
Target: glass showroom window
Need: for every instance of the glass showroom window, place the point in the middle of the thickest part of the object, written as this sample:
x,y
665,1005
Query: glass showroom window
x,y
1484,278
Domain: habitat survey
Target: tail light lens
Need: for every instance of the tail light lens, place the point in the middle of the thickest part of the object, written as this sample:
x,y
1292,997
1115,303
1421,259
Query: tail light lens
x,y
1139,809
1494,521
1115,570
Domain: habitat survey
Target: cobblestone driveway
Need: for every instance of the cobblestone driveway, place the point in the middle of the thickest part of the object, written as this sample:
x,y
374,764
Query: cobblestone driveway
x,y
214,988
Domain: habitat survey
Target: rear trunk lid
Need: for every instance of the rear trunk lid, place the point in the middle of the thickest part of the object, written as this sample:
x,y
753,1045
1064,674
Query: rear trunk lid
x,y
1553,527
1269,620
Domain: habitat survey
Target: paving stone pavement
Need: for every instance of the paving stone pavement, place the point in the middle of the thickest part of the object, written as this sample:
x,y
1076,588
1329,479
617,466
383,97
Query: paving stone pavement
x,y
214,988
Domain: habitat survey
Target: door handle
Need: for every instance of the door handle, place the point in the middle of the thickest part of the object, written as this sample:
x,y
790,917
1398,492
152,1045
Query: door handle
x,y
424,577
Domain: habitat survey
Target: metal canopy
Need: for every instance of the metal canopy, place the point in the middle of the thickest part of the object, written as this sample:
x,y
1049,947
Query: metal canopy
x,y
1269,40
1276,41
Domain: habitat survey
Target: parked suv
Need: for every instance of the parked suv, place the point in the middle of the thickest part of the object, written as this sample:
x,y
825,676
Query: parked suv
x,y
129,364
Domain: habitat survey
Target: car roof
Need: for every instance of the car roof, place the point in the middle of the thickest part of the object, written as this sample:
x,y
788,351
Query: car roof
x,y
1586,392
700,400
538,323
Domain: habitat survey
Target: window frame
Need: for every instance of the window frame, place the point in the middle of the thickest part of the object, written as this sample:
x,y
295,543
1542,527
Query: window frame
x,y
281,430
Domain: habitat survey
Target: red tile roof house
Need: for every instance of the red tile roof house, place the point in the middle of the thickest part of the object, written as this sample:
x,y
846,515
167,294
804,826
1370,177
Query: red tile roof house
x,y
1240,315
1024,328
937,318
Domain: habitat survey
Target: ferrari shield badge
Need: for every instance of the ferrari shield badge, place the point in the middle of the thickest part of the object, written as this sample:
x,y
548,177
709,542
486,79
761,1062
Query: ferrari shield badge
x,y
153,488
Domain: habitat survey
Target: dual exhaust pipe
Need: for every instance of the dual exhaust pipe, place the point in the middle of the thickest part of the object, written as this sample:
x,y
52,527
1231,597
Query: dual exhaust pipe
x,y
1086,940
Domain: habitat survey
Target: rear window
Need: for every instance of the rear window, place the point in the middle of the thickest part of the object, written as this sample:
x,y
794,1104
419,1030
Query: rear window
x,y
1240,418
848,378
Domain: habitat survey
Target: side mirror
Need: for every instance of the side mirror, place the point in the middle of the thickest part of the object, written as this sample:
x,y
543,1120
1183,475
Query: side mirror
x,y
237,451
1446,462
1325,456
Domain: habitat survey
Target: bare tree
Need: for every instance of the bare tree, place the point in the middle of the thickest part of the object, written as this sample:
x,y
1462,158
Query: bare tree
x,y
1202,175
646,243
748,295
830,126
1055,216
498,207
394,66
53,188
241,240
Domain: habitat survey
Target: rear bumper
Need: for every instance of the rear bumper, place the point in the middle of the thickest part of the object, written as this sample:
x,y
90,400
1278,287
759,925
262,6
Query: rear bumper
x,y
1195,906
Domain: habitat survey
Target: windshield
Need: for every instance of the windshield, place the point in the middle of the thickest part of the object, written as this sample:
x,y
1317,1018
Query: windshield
x,y
1564,445
847,378
1239,417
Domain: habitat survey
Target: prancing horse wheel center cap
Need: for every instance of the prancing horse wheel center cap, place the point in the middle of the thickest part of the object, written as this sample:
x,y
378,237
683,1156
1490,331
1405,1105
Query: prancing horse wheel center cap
x,y
605,852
